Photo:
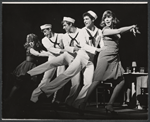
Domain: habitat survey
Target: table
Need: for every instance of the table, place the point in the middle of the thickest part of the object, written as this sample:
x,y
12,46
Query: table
x,y
137,80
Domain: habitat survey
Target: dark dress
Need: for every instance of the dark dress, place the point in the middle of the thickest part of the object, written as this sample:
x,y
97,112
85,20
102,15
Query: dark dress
x,y
23,89
108,63
26,65
108,67
30,62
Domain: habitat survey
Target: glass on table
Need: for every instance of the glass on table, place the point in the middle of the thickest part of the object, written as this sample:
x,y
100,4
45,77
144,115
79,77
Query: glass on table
x,y
142,69
128,69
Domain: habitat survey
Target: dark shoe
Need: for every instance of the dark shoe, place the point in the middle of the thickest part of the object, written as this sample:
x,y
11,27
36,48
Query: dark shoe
x,y
79,111
109,109
55,104
43,98
69,107
82,106
58,103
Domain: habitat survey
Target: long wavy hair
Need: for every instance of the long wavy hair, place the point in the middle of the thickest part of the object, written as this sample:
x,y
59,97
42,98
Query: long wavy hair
x,y
33,41
115,20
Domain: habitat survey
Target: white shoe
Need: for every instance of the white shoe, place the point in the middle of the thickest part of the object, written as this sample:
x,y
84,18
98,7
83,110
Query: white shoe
x,y
139,107
124,104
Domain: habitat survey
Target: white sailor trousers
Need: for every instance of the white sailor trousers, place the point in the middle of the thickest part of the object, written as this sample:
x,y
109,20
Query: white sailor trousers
x,y
48,75
74,68
88,73
63,59
74,90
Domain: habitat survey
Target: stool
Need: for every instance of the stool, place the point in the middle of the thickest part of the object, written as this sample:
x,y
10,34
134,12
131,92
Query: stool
x,y
102,89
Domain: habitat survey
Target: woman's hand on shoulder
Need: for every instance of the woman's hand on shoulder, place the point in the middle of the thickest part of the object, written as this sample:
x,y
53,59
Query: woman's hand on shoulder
x,y
76,48
100,49
62,50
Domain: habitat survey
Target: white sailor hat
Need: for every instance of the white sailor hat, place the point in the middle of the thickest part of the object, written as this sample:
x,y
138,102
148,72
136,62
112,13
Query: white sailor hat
x,y
93,14
68,19
45,26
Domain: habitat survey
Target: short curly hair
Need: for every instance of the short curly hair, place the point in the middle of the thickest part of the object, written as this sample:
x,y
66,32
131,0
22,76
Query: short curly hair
x,y
87,14
106,14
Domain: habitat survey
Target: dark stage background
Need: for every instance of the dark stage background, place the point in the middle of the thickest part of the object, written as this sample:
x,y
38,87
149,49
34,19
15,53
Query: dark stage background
x,y
18,20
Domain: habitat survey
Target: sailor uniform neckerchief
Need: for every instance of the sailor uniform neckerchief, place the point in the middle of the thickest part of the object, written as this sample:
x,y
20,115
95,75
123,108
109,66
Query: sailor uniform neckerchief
x,y
92,37
55,43
73,39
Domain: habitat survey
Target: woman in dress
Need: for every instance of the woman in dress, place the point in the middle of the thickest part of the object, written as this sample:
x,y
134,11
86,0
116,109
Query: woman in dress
x,y
21,89
108,62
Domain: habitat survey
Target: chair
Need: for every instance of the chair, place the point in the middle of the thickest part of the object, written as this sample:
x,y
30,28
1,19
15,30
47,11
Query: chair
x,y
102,90
142,92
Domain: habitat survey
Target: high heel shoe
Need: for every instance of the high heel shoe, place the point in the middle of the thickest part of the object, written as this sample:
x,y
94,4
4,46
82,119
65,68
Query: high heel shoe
x,y
82,107
110,110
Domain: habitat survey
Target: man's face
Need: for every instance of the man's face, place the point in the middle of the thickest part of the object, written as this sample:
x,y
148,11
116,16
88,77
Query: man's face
x,y
87,21
46,31
66,26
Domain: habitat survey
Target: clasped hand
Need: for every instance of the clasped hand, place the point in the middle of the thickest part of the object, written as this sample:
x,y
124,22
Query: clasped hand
x,y
62,50
100,49
77,47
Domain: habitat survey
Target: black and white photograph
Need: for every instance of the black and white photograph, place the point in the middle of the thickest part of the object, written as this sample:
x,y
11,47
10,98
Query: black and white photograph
x,y
75,61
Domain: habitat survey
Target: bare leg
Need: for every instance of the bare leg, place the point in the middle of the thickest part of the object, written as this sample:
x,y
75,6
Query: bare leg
x,y
90,90
128,95
114,95
12,93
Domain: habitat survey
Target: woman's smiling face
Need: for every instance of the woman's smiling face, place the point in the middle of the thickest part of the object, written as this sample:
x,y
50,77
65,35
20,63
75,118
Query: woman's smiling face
x,y
108,21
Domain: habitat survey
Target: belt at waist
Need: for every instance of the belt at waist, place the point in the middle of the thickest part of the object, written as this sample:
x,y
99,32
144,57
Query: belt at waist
x,y
29,58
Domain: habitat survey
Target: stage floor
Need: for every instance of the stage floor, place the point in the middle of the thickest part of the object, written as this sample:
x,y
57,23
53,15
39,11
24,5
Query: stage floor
x,y
46,111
